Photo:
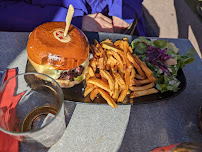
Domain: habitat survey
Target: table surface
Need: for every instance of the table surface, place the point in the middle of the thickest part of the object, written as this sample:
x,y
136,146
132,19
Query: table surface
x,y
148,125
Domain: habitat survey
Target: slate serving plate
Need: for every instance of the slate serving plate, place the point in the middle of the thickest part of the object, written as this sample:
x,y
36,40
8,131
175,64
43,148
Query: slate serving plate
x,y
76,93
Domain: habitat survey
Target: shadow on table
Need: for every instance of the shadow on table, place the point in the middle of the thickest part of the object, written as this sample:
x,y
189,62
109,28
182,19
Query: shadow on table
x,y
187,24
181,120
32,147
161,124
152,28
140,125
13,48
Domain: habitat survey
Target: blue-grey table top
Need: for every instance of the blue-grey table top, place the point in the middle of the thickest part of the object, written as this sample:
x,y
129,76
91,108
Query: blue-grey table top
x,y
150,125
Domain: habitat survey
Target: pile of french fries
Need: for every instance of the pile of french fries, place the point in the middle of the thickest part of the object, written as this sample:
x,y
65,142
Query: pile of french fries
x,y
113,72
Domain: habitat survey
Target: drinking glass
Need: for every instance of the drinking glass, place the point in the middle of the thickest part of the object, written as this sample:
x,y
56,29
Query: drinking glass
x,y
32,109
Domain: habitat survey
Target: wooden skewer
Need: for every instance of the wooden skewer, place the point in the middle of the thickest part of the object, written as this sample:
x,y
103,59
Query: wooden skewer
x,y
69,18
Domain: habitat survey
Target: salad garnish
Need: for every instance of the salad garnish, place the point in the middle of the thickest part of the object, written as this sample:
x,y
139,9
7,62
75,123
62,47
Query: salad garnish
x,y
163,58
157,56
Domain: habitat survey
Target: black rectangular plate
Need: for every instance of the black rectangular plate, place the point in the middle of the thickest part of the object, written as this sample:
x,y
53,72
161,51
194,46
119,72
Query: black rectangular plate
x,y
76,93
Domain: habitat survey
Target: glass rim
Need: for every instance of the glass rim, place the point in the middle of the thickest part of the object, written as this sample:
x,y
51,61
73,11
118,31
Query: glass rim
x,y
12,133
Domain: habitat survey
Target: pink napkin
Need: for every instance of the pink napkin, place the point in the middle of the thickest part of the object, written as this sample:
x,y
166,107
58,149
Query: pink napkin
x,y
7,107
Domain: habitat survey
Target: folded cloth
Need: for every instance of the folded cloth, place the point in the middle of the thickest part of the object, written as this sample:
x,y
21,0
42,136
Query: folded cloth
x,y
7,106
94,128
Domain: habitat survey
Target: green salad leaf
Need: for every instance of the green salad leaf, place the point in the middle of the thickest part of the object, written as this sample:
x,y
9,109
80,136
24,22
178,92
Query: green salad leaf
x,y
160,43
187,58
139,45
172,49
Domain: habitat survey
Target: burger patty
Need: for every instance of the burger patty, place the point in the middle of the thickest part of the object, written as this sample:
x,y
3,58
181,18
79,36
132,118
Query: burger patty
x,y
71,74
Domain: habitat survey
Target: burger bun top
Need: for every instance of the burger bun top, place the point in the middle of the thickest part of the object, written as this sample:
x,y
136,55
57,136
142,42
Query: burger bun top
x,y
48,46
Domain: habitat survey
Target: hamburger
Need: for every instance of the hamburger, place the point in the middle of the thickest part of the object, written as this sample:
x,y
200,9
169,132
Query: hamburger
x,y
64,58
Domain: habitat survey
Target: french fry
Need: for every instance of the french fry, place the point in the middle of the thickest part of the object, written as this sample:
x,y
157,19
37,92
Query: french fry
x,y
121,46
125,39
135,82
135,64
109,78
117,57
87,76
122,75
140,88
109,52
139,70
123,57
93,64
125,45
153,79
107,41
110,47
101,63
91,50
129,65
118,43
147,71
137,59
143,92
145,81
116,91
125,91
144,67
99,83
107,67
132,75
90,85
91,72
119,80
104,79
97,44
97,75
127,77
107,97
130,57
137,76
97,52
121,69
87,90
130,49
115,67
94,94
108,61
100,49
113,61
